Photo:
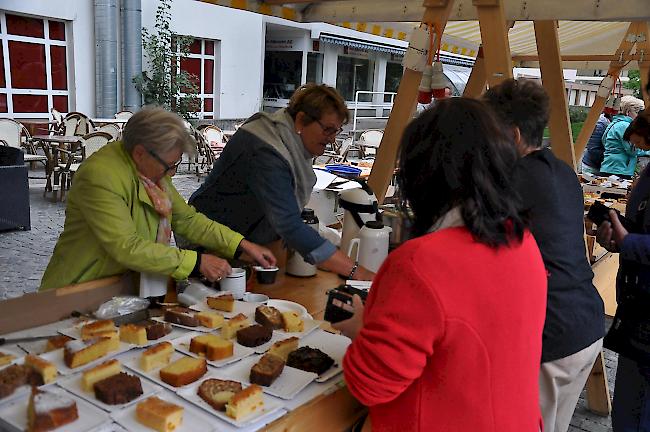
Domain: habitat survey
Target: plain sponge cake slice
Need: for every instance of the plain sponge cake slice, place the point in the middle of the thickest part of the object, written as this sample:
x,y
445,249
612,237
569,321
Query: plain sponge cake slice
x,y
156,356
212,346
88,331
98,373
184,371
245,403
79,352
159,415
224,302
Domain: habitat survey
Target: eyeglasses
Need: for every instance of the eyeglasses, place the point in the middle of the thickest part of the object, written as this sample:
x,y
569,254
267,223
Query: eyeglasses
x,y
327,130
168,168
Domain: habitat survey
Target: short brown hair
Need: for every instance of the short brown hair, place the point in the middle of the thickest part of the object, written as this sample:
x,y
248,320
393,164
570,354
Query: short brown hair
x,y
639,126
523,104
317,99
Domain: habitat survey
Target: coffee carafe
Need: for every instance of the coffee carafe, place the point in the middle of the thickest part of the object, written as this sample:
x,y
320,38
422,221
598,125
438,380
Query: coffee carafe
x,y
296,264
371,245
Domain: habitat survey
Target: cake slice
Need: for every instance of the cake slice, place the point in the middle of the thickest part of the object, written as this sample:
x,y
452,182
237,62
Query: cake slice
x,y
159,415
291,322
46,369
98,373
269,316
310,360
212,347
284,347
56,342
229,328
6,358
80,352
245,403
266,370
156,329
114,337
88,331
14,376
254,335
156,356
217,393
182,316
47,411
225,302
184,371
210,319
118,389
133,334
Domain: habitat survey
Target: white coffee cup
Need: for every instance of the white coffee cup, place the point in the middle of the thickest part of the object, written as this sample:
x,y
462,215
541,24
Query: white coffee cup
x,y
235,283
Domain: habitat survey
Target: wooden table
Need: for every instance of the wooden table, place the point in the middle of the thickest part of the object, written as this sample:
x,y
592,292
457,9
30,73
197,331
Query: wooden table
x,y
52,143
335,411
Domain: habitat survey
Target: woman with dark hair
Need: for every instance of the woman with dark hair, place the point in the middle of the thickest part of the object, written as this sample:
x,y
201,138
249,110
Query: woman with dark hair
x,y
450,337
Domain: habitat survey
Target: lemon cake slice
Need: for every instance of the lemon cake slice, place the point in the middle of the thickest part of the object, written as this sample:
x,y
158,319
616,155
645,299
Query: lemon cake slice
x,y
88,331
210,319
159,415
98,373
224,302
292,322
245,402
156,356
229,328
184,371
133,334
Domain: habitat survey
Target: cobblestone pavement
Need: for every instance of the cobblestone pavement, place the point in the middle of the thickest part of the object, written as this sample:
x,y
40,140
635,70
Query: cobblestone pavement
x,y
25,254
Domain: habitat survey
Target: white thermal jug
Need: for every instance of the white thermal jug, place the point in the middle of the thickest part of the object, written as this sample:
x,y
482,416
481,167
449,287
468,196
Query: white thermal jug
x,y
372,245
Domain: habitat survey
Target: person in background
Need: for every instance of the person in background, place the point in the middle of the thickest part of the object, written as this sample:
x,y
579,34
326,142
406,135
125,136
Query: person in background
x,y
593,155
122,208
264,178
631,405
552,196
450,336
620,156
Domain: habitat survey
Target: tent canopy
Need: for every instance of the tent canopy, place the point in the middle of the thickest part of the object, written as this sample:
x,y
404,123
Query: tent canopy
x,y
589,28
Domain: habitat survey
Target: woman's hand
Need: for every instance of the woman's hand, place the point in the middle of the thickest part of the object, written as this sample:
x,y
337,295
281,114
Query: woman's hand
x,y
610,235
258,253
214,268
351,327
363,274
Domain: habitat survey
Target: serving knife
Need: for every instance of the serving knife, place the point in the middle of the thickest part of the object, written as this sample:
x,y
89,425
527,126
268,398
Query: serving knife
x,y
7,341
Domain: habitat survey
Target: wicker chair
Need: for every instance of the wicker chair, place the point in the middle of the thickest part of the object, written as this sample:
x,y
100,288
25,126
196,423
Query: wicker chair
x,y
369,141
84,125
111,129
14,134
123,115
90,144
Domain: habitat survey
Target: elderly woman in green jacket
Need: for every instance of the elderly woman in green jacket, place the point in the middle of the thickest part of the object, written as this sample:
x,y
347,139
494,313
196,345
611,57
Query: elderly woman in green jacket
x,y
122,207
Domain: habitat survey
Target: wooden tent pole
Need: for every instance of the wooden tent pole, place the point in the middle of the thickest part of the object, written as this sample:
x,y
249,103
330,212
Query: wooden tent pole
x,y
599,103
548,47
476,83
494,37
644,66
436,12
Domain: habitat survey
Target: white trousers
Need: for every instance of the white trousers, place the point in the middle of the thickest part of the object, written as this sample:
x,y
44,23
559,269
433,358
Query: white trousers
x,y
560,383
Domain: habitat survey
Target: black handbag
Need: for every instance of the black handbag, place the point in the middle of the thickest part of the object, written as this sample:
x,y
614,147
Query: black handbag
x,y
629,334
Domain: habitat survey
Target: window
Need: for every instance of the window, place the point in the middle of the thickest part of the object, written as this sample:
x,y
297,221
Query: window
x,y
33,66
352,75
282,73
394,72
200,63
315,68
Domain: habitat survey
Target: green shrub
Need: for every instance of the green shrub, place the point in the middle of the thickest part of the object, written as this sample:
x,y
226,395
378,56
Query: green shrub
x,y
578,114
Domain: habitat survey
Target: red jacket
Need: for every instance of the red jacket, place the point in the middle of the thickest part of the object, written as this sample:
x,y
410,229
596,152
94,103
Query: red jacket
x,y
452,337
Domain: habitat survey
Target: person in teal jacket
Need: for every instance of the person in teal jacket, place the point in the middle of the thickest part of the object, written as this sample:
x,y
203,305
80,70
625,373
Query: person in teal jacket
x,y
122,207
620,155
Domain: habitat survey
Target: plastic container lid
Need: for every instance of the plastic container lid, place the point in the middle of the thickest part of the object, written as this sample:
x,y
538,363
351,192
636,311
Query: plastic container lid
x,y
374,224
343,170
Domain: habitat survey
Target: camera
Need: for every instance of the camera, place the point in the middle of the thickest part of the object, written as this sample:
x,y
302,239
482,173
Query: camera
x,y
339,302
599,213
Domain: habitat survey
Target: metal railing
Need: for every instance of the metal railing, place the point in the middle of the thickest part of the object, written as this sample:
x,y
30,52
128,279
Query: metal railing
x,y
377,106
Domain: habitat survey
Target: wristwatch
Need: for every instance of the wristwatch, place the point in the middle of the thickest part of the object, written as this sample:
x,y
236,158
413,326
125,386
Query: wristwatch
x,y
354,270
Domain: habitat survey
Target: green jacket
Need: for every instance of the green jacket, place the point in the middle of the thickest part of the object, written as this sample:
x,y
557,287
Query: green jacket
x,y
111,226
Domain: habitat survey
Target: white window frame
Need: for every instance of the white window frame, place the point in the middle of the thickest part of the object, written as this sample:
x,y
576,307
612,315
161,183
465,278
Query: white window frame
x,y
202,95
5,38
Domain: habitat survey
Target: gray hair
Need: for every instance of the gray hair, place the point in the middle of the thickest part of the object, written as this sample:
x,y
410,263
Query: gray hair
x,y
158,130
630,103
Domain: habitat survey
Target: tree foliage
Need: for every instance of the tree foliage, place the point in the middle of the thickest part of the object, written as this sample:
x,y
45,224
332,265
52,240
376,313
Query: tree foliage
x,y
165,84
634,83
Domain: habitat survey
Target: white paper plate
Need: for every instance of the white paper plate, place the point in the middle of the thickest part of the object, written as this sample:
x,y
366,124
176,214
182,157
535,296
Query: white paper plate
x,y
194,420
331,344
270,406
35,347
197,328
242,307
75,332
286,306
286,386
310,325
73,385
14,414
133,363
239,351
56,357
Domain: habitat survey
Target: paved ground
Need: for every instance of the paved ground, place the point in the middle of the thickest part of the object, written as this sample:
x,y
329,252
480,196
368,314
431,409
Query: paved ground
x,y
25,254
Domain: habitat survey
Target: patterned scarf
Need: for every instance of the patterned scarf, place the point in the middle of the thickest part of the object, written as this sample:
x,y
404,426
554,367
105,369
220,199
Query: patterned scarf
x,y
162,203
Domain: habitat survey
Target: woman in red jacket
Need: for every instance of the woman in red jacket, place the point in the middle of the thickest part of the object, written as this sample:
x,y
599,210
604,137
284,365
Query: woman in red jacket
x,y
451,336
